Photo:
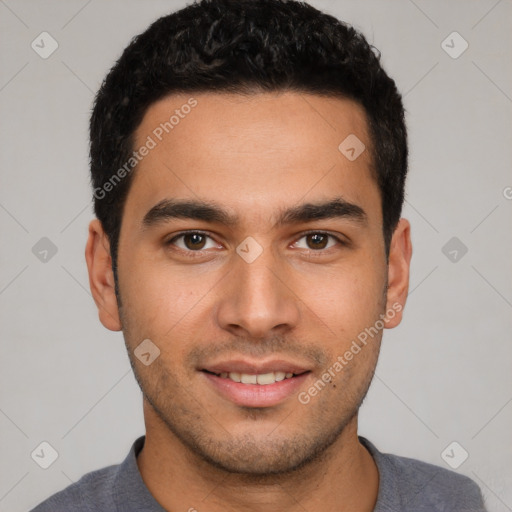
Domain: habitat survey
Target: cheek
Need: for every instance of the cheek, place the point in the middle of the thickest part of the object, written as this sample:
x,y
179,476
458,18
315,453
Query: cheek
x,y
155,287
349,298
165,305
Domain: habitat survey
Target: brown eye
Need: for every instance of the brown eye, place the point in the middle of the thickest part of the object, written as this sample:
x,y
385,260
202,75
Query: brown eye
x,y
317,240
194,241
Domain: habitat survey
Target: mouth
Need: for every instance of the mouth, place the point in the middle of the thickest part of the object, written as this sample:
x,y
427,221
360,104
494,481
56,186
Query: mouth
x,y
263,379
255,384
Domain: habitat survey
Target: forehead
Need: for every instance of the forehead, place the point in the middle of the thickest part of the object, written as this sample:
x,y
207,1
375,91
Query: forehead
x,y
251,152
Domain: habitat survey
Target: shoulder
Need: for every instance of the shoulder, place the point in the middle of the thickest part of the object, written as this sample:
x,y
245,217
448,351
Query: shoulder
x,y
118,487
92,492
435,486
415,485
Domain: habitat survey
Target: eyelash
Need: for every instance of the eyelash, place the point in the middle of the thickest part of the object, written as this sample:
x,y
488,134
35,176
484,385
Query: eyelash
x,y
199,253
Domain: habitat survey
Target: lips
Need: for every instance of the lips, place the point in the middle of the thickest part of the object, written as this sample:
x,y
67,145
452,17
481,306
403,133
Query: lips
x,y
256,373
261,378
256,367
256,384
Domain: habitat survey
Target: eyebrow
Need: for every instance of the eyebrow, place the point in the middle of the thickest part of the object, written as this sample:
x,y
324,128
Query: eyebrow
x,y
169,209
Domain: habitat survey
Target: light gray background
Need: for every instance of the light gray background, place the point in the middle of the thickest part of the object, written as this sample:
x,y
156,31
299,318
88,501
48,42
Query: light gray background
x,y
444,374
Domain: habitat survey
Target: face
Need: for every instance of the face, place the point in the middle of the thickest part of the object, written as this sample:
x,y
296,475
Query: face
x,y
251,255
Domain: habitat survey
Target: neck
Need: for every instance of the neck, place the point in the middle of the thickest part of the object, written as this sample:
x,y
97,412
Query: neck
x,y
344,479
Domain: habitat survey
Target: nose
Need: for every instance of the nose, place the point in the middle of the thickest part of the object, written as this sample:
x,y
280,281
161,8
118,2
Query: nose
x,y
258,299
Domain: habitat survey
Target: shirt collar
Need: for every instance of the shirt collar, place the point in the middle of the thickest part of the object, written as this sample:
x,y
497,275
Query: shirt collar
x,y
130,491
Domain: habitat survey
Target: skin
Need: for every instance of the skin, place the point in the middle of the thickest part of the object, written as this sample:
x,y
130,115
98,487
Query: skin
x,y
254,156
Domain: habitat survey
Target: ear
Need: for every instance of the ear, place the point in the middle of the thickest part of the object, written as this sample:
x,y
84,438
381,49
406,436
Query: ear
x,y
101,276
400,253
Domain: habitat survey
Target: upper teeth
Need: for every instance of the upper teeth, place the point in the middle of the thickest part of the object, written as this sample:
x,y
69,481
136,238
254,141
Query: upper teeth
x,y
262,378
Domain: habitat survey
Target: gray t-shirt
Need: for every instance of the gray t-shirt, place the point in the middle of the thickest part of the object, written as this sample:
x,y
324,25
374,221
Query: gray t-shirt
x,y
405,485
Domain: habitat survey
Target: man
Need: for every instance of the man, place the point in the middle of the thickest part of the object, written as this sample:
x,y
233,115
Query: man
x,y
248,160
